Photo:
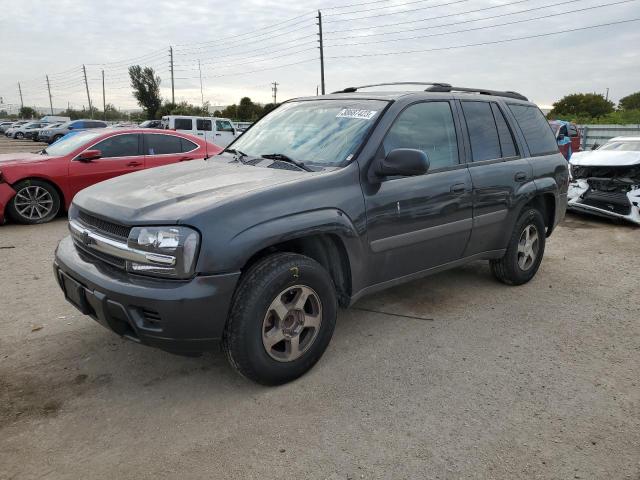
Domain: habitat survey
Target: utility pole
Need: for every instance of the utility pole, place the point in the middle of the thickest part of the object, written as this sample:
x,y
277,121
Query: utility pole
x,y
49,89
321,51
201,94
21,101
173,95
104,99
275,92
86,84
607,98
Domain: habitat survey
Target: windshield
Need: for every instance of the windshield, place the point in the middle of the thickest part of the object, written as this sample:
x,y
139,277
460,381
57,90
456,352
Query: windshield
x,y
630,146
68,144
317,132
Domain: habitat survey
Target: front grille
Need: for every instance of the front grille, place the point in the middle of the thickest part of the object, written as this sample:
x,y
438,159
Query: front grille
x,y
616,202
92,255
104,227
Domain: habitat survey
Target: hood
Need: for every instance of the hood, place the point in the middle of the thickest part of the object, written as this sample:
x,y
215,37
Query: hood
x,y
605,158
169,194
9,159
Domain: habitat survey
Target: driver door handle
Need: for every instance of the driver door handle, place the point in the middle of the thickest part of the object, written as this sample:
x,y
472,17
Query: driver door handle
x,y
458,188
134,164
186,158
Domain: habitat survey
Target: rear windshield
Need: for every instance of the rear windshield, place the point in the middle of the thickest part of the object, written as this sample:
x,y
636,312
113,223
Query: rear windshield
x,y
320,132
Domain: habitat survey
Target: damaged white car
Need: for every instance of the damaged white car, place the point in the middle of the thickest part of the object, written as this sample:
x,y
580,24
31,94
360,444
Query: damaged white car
x,y
606,181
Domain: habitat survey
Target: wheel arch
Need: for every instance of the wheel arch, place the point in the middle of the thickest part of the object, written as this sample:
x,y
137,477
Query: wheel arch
x,y
327,236
58,189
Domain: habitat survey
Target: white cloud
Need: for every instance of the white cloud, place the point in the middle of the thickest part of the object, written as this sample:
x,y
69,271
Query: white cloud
x,y
57,37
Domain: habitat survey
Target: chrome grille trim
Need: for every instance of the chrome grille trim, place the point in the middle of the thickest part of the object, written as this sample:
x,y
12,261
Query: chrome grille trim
x,y
95,241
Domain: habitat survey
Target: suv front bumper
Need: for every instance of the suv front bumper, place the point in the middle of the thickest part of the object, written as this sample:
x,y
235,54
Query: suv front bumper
x,y
177,316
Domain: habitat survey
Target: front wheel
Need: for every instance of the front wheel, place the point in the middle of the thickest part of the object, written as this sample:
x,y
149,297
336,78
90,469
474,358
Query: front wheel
x,y
524,251
19,136
282,318
35,202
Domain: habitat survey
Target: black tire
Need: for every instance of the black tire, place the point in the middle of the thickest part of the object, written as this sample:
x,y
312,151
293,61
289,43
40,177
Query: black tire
x,y
512,268
18,135
48,207
55,139
259,287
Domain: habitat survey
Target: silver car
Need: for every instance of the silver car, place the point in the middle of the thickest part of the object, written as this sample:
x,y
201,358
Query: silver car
x,y
51,135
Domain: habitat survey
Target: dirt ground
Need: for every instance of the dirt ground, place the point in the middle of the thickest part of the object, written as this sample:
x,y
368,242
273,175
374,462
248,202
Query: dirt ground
x,y
454,376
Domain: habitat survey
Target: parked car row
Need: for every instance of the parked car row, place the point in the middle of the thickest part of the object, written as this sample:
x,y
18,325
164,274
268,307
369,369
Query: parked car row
x,y
35,187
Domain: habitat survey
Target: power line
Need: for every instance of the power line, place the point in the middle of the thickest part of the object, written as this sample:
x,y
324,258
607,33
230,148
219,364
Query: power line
x,y
244,72
459,22
493,7
483,27
386,14
494,42
395,5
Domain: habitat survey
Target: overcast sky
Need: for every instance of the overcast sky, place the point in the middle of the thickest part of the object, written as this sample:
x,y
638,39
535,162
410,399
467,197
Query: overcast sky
x,y
245,45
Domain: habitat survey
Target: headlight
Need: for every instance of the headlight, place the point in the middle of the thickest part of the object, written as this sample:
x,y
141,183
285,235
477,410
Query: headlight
x,y
172,251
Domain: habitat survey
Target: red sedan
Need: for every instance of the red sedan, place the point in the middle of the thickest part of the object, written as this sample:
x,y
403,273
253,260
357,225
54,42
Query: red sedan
x,y
34,187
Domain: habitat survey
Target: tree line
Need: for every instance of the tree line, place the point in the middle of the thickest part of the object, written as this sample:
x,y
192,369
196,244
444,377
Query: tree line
x,y
590,108
146,89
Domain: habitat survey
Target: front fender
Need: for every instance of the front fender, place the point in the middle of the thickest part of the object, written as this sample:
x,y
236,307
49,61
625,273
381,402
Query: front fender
x,y
244,245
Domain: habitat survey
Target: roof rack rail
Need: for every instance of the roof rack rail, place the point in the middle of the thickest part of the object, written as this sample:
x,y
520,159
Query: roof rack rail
x,y
355,89
481,91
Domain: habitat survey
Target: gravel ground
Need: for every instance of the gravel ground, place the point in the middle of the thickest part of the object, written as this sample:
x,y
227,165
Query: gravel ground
x,y
10,145
453,376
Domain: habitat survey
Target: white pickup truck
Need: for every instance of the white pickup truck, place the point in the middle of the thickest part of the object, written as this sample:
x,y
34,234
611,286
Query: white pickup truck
x,y
220,131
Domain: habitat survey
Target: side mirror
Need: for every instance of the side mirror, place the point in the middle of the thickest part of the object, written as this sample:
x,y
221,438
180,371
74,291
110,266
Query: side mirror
x,y
405,162
89,155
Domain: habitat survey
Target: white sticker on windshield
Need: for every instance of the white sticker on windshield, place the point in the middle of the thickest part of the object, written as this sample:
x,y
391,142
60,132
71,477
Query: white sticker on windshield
x,y
356,113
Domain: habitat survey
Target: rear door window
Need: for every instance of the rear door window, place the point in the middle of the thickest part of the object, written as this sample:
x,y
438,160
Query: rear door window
x,y
483,133
187,145
183,124
159,144
535,128
126,145
507,144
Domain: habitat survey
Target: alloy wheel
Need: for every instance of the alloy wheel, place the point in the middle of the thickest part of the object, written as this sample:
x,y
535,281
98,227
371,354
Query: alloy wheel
x,y
292,323
528,247
33,202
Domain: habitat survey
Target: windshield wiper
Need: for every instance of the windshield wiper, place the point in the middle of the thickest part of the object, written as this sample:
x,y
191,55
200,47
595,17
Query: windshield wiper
x,y
239,155
281,157
44,152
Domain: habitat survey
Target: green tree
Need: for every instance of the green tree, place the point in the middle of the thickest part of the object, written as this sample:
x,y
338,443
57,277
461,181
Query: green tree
x,y
146,89
269,107
4,114
581,104
183,108
630,102
28,112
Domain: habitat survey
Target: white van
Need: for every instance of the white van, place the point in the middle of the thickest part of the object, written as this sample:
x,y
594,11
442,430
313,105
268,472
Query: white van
x,y
54,119
220,131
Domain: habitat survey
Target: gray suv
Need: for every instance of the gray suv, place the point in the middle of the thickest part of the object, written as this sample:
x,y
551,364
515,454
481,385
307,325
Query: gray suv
x,y
323,201
51,135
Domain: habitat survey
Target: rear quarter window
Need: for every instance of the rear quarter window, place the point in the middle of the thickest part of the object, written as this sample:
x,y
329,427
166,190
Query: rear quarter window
x,y
183,124
535,128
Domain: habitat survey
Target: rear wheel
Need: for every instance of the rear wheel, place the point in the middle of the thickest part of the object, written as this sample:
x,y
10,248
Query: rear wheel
x,y
282,318
19,135
524,251
35,202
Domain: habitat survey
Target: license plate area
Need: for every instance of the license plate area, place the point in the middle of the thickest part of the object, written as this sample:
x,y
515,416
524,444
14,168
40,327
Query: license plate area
x,y
75,294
